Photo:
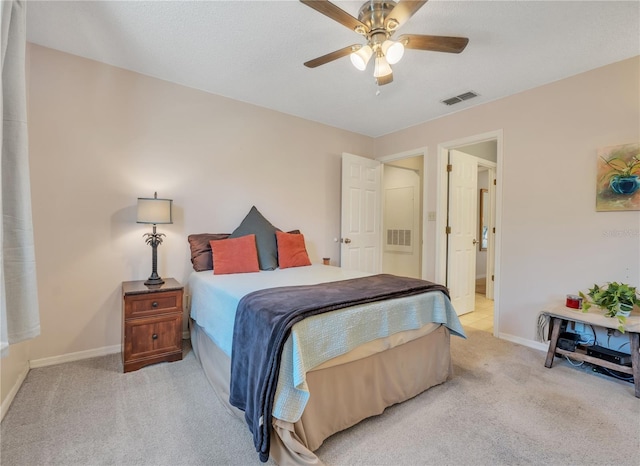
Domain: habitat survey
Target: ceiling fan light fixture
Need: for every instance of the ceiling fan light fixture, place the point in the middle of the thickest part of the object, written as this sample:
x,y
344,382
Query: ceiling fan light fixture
x,y
393,51
382,67
361,57
377,21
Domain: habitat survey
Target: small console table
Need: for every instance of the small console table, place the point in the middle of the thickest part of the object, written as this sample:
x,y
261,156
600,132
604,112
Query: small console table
x,y
560,315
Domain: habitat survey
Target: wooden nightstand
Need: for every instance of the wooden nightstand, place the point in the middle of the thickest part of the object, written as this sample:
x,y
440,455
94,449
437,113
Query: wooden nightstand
x,y
152,323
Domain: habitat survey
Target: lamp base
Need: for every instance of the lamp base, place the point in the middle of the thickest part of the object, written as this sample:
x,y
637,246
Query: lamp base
x,y
154,240
154,279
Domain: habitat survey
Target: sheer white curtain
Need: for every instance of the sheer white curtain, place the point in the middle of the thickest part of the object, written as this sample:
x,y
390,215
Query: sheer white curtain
x,y
18,288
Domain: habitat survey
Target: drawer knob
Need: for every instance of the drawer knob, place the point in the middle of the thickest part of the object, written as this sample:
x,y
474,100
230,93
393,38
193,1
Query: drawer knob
x,y
154,336
154,304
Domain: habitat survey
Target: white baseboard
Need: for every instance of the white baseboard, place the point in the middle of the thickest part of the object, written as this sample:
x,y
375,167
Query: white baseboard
x,y
92,353
524,342
13,392
69,357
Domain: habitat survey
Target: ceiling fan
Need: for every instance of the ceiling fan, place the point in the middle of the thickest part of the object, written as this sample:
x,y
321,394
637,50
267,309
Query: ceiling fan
x,y
377,21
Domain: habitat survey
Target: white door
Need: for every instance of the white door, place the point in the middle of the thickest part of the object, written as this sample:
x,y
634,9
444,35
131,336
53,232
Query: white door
x,y
491,251
360,225
462,239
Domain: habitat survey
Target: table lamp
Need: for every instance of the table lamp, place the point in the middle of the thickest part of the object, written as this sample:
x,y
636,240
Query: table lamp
x,y
154,211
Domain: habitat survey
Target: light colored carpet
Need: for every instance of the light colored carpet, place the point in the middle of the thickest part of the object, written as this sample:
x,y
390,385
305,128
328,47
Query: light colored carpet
x,y
502,407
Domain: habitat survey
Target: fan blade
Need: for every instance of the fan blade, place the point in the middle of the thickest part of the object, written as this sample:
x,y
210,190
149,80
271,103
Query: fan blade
x,y
434,43
336,13
331,56
382,80
401,13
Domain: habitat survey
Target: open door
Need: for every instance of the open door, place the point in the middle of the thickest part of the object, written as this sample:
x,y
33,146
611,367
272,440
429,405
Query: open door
x,y
360,225
462,238
491,249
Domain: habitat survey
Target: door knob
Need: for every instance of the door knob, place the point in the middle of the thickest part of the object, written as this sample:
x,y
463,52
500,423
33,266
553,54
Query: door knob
x,y
475,241
347,240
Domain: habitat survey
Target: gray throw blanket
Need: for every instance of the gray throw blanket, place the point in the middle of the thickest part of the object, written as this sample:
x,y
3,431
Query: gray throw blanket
x,y
263,322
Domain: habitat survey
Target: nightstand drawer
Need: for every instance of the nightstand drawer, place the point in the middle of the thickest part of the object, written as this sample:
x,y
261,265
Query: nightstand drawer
x,y
147,338
154,304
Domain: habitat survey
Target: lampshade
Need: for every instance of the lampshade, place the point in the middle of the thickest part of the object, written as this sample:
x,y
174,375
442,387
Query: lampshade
x,y
382,67
361,57
154,210
393,51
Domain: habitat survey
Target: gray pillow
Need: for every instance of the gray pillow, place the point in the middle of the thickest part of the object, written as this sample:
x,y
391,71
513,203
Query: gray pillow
x,y
255,223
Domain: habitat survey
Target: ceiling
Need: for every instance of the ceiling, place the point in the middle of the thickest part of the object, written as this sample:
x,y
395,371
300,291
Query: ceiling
x,y
253,51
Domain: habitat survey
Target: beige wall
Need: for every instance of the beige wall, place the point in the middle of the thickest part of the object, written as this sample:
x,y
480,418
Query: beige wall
x,y
553,241
101,136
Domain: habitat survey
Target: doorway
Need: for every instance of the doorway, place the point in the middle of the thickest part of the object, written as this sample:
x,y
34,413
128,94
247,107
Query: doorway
x,y
486,150
403,216
402,207
364,216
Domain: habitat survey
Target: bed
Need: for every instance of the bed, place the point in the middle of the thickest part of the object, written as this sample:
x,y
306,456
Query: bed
x,y
337,368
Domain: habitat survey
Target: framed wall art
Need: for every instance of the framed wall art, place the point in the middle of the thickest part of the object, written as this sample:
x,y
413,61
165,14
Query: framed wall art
x,y
618,178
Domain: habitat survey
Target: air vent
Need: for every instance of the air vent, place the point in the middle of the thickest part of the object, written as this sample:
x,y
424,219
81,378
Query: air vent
x,y
459,98
399,237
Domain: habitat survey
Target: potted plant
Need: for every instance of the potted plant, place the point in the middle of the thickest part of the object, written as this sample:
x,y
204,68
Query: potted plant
x,y
617,299
624,174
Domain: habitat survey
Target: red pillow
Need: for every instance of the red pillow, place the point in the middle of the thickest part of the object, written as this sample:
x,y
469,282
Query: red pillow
x,y
291,250
235,255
